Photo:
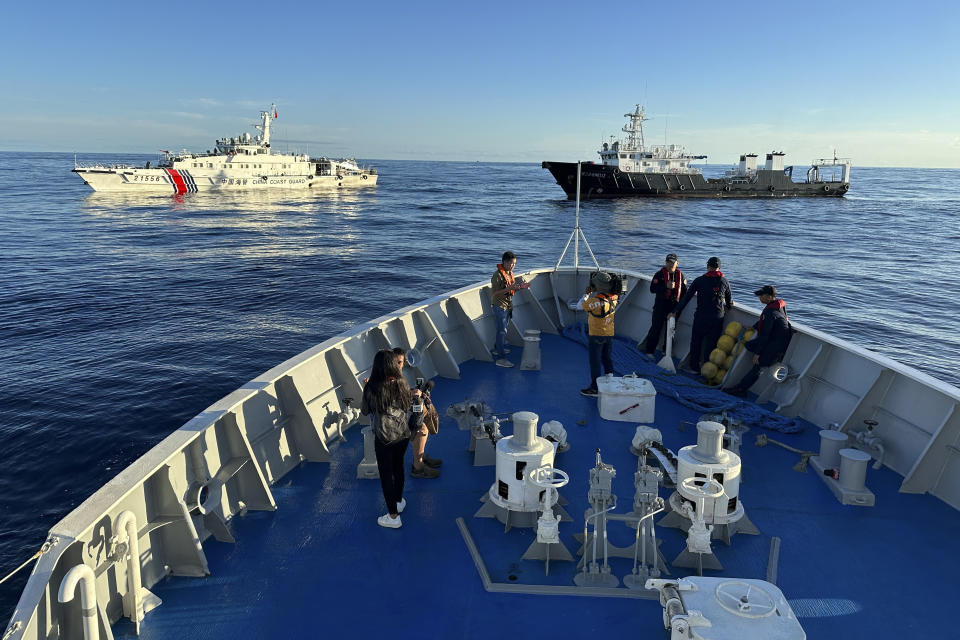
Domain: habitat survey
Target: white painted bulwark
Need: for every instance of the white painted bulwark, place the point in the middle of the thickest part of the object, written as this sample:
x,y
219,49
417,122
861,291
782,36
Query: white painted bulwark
x,y
224,460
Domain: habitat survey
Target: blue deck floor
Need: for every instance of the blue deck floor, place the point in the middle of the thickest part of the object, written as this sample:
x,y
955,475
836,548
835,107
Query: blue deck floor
x,y
320,565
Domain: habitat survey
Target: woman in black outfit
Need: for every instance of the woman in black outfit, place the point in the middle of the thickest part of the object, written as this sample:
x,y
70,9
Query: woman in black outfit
x,y
393,408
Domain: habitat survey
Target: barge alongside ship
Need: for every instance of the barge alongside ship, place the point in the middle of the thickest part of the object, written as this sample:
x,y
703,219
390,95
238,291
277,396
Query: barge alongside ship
x,y
631,168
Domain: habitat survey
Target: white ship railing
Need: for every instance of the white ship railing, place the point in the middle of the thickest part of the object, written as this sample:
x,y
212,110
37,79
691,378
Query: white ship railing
x,y
104,167
225,459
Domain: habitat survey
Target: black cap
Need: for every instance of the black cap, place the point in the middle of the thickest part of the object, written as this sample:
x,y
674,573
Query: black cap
x,y
714,262
672,257
766,290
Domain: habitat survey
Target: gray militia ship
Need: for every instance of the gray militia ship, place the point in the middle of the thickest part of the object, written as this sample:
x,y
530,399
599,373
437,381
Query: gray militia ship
x,y
631,168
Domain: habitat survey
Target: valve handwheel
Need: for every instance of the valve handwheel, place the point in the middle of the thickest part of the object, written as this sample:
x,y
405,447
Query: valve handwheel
x,y
548,477
706,489
743,599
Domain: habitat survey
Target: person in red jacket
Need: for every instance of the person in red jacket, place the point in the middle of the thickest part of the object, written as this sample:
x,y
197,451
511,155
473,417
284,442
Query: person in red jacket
x,y
714,299
772,339
667,285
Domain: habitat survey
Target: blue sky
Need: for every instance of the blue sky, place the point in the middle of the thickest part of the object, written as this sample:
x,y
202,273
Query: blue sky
x,y
493,81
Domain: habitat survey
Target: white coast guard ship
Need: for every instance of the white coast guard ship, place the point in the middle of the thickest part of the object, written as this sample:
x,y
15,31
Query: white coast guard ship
x,y
242,162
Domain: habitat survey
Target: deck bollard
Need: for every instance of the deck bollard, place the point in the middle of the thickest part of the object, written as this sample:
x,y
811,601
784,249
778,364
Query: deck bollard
x,y
367,469
853,469
82,575
831,442
530,360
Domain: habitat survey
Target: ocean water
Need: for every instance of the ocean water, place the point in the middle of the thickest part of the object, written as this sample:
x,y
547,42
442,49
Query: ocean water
x,y
122,317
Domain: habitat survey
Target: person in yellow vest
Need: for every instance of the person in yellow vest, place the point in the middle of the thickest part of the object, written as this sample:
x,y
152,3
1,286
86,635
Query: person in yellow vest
x,y
600,305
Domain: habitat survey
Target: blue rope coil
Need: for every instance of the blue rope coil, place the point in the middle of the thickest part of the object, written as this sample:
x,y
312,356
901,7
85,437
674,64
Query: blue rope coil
x,y
690,393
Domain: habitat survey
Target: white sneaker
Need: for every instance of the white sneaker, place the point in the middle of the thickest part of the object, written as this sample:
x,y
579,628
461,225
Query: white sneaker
x,y
391,523
401,505
503,362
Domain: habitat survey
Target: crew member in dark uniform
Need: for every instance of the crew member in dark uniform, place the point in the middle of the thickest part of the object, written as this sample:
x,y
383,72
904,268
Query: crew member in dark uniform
x,y
714,299
667,285
772,339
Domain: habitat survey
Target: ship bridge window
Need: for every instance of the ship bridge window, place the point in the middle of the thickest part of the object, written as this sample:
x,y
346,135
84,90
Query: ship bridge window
x,y
623,155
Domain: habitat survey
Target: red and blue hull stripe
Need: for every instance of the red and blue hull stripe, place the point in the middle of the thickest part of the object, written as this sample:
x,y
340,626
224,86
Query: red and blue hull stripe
x,y
182,181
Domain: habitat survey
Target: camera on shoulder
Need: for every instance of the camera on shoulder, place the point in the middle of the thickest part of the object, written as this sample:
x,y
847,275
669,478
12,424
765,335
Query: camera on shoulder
x,y
618,283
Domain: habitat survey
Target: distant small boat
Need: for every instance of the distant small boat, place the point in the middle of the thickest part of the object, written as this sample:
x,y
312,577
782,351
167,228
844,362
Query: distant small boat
x,y
631,168
241,162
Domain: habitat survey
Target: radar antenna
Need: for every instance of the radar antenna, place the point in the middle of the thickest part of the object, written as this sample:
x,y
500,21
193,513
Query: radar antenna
x,y
634,129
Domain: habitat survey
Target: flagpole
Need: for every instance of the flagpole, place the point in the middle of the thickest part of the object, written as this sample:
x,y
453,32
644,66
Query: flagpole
x,y
576,241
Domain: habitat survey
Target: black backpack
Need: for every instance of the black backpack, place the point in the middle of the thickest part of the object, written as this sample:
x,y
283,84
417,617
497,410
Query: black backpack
x,y
392,426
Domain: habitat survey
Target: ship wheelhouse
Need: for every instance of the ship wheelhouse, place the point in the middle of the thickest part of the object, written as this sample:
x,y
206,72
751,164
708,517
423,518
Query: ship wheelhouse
x,y
631,155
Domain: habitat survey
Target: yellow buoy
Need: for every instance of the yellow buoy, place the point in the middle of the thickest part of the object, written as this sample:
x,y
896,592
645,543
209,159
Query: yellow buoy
x,y
708,370
720,375
748,334
726,343
733,329
717,356
728,362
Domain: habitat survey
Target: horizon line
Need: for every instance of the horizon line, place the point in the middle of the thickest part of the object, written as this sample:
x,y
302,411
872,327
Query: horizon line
x,y
707,164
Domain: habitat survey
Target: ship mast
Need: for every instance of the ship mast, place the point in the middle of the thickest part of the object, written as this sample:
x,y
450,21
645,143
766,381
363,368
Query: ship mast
x,y
264,127
634,129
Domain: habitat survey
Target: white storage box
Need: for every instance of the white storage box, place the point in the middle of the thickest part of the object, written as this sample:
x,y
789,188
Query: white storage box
x,y
626,399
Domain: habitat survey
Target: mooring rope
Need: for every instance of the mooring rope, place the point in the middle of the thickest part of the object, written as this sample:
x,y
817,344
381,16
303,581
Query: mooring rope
x,y
687,391
46,547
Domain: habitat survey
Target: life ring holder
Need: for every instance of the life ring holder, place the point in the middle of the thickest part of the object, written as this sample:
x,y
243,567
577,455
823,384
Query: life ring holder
x,y
682,187
771,188
726,188
339,177
363,177
826,188
616,172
